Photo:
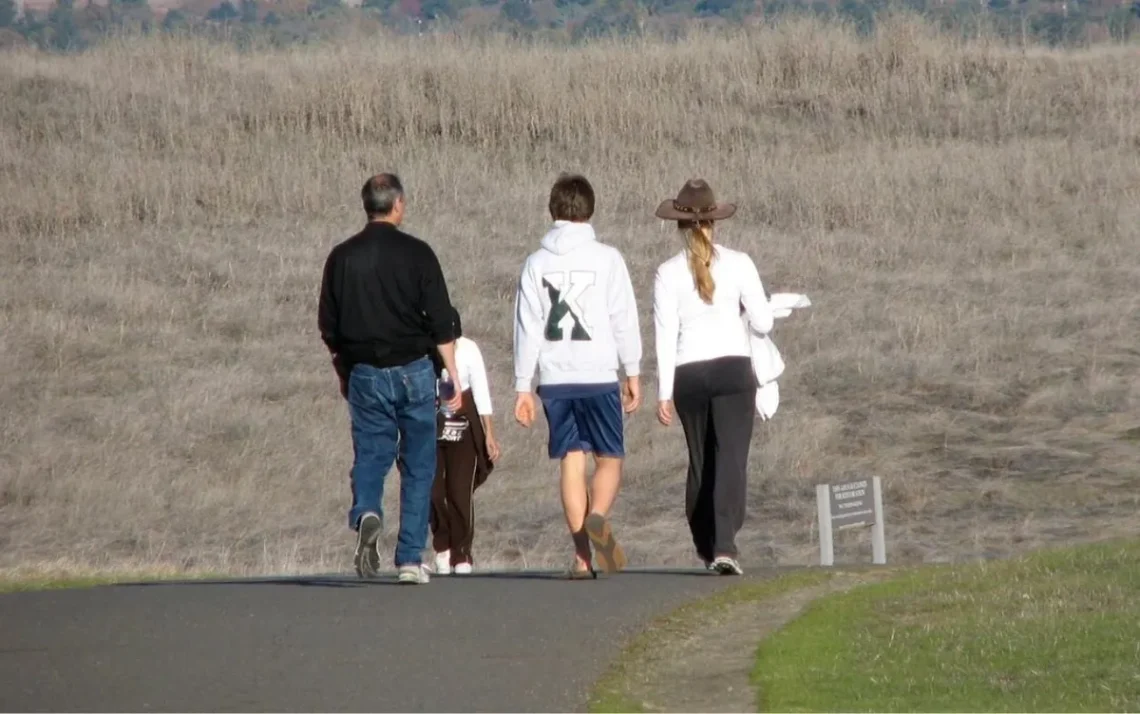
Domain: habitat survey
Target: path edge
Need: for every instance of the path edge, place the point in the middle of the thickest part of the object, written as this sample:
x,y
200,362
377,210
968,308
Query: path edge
x,y
615,690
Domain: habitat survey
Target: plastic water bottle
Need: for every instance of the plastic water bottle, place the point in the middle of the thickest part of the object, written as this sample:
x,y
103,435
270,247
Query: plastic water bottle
x,y
446,393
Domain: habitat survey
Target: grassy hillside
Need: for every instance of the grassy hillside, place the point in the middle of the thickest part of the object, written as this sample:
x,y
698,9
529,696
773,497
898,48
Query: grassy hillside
x,y
965,218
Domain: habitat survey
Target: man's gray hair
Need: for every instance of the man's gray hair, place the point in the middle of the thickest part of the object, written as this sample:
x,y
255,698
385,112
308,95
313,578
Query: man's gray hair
x,y
380,194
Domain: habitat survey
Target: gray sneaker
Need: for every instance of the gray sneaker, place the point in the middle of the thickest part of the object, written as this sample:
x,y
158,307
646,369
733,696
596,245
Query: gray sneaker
x,y
413,575
367,557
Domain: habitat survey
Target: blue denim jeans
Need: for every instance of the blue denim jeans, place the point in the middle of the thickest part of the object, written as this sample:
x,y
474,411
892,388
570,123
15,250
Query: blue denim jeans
x,y
393,414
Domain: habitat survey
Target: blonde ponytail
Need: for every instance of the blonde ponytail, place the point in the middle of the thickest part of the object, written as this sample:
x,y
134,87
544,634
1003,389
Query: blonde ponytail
x,y
699,245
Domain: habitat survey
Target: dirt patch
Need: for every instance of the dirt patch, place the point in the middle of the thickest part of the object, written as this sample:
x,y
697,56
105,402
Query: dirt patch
x,y
705,665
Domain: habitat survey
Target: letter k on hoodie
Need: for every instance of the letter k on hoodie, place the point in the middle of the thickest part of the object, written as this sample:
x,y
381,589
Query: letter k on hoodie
x,y
575,312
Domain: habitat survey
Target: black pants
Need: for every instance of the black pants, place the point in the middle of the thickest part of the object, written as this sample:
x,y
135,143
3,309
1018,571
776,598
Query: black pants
x,y
716,403
453,498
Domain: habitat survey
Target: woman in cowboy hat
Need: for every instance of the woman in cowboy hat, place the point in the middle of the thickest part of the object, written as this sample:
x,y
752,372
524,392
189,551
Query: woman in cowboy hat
x,y
704,366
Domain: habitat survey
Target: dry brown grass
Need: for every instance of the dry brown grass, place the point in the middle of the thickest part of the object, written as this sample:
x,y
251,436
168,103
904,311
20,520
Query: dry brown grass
x,y
964,216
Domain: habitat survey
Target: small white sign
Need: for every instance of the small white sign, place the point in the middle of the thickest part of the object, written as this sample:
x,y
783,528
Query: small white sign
x,y
854,504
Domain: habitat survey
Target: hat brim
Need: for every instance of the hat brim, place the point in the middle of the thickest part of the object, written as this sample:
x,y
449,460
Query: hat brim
x,y
722,211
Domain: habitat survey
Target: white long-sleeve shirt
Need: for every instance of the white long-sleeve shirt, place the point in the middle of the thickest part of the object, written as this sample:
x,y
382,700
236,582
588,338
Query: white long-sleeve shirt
x,y
575,312
473,374
690,330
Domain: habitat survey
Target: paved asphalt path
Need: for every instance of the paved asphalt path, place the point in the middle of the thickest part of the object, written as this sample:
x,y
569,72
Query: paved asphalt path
x,y
501,642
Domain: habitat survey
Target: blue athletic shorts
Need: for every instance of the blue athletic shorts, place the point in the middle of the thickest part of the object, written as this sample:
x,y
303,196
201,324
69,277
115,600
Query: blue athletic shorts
x,y
583,417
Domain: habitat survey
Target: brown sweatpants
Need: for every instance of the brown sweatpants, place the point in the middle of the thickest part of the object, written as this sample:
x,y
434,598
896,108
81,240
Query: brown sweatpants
x,y
452,498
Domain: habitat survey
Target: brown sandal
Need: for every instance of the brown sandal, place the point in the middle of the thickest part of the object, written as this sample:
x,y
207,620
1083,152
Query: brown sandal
x,y
574,573
605,546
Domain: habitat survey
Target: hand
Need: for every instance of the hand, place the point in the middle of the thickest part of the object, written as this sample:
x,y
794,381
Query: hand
x,y
456,402
665,412
524,409
493,448
631,399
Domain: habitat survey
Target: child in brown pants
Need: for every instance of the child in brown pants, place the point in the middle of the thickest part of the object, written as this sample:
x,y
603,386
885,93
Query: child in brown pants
x,y
466,453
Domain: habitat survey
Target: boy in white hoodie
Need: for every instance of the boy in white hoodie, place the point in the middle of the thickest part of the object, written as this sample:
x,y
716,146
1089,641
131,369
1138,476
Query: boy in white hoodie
x,y
576,320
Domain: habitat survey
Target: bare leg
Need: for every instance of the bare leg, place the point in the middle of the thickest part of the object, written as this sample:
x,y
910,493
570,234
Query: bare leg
x,y
575,498
607,481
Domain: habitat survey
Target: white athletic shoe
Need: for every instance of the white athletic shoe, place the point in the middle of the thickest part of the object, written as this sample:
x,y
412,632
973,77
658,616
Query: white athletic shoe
x,y
413,575
367,557
463,569
727,566
443,563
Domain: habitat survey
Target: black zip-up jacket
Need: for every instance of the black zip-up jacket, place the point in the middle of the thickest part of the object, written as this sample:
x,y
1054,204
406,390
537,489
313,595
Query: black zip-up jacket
x,y
384,300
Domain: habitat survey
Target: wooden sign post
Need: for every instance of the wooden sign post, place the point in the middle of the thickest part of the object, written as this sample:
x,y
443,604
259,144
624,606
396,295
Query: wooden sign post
x,y
855,504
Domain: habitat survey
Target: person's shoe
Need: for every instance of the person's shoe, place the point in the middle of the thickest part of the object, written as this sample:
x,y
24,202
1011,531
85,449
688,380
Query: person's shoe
x,y
576,573
727,566
463,569
413,575
367,557
606,547
443,563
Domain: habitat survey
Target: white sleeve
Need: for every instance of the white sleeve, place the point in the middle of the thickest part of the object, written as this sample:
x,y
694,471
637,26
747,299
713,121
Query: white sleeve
x,y
528,329
623,317
477,373
667,327
754,298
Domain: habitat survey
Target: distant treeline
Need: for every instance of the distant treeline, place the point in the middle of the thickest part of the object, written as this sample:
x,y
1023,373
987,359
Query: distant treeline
x,y
70,27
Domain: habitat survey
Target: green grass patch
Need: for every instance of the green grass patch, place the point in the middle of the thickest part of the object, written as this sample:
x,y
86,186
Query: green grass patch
x,y
1057,630
14,584
610,694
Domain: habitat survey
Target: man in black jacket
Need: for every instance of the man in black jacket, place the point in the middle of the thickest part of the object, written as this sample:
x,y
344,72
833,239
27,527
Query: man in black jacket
x,y
384,309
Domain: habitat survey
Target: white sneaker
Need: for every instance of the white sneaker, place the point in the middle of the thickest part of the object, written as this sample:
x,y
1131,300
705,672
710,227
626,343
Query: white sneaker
x,y
463,569
413,575
367,557
727,566
443,563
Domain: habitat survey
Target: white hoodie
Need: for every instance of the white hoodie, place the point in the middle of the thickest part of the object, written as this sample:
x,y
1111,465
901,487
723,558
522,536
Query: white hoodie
x,y
594,324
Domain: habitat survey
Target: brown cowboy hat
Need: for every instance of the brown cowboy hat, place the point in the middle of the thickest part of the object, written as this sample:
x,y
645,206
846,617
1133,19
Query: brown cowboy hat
x,y
695,202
